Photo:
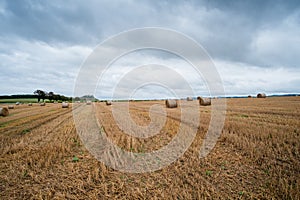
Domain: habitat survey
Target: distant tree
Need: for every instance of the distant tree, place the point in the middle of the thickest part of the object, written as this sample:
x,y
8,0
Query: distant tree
x,y
51,96
63,98
40,94
56,97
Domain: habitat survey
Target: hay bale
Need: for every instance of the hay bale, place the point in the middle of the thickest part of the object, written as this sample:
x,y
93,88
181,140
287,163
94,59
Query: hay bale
x,y
108,103
30,104
42,104
204,101
17,103
11,107
65,105
261,95
189,98
171,103
249,96
4,112
88,103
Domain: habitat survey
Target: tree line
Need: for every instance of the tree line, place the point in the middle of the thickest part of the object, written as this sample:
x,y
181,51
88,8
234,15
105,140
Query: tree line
x,y
42,95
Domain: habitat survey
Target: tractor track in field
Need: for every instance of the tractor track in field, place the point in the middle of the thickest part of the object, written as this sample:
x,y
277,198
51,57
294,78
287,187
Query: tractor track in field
x,y
28,116
36,137
55,126
22,113
122,139
169,115
33,122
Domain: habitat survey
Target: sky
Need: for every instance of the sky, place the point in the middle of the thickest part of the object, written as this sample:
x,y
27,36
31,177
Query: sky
x,y
254,45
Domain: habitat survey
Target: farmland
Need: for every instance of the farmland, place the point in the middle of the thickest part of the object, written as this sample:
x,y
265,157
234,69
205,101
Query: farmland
x,y
21,100
256,157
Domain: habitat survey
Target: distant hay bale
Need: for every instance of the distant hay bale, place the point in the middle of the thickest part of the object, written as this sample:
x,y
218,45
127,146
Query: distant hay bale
x,y
88,103
42,104
204,101
65,105
108,103
30,104
189,98
171,103
11,107
261,95
4,112
17,103
249,96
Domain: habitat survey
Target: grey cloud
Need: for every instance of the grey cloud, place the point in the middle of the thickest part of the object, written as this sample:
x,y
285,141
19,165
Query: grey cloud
x,y
227,29
51,39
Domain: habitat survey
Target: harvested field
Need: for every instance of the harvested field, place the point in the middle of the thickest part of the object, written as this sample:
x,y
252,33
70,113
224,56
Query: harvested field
x,y
256,157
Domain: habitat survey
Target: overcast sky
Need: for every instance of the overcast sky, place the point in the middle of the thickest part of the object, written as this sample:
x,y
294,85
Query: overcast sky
x,y
255,45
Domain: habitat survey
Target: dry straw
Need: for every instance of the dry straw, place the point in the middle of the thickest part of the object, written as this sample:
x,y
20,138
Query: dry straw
x,y
261,95
4,112
171,103
204,101
65,105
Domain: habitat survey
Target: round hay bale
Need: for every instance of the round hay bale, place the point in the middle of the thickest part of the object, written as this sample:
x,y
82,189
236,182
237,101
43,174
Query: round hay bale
x,y
11,107
261,95
88,103
108,103
204,101
30,104
171,103
65,105
189,98
249,96
42,104
17,103
4,112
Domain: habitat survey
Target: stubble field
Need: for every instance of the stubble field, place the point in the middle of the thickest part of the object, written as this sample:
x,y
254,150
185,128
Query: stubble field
x,y
256,157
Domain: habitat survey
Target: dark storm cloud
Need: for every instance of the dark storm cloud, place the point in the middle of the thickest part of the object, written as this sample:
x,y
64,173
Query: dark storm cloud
x,y
227,29
232,28
47,21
